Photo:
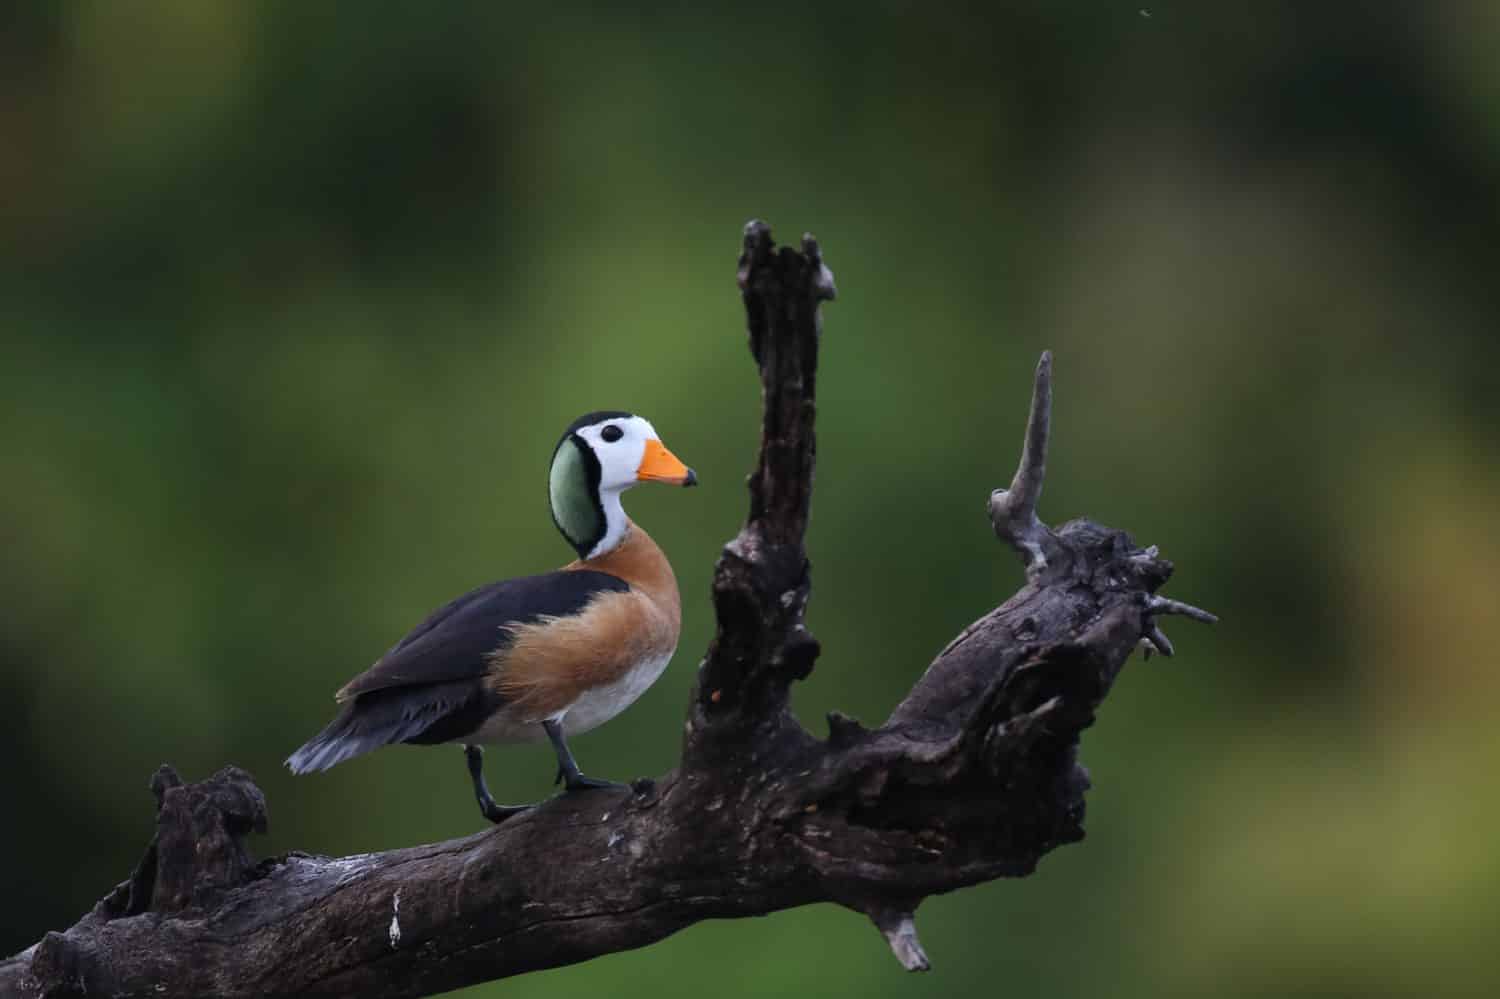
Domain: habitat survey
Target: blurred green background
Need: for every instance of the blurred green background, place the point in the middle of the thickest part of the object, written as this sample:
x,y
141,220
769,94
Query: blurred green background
x,y
296,298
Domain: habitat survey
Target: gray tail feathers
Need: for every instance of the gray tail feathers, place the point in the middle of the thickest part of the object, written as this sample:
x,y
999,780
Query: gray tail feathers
x,y
378,718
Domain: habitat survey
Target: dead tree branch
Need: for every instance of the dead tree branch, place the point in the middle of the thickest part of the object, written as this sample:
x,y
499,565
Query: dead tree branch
x,y
973,777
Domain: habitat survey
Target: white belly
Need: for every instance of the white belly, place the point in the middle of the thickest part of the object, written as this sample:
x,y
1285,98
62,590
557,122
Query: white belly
x,y
599,705
591,710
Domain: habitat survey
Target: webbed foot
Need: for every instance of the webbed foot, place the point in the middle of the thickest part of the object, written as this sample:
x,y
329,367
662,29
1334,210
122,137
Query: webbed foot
x,y
488,807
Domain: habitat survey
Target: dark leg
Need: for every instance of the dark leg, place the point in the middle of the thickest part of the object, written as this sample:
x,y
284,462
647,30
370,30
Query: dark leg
x,y
474,756
568,773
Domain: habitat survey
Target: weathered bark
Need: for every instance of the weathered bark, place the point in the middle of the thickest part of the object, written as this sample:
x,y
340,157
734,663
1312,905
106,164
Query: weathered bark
x,y
973,777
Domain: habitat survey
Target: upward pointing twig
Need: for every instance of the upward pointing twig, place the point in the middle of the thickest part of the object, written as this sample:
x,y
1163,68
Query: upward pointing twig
x,y
1013,510
1026,487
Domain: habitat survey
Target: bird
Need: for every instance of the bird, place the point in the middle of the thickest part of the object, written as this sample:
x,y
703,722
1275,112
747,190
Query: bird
x,y
534,657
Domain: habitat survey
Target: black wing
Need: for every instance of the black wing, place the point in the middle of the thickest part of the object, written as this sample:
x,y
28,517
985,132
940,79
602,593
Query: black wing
x,y
456,641
428,687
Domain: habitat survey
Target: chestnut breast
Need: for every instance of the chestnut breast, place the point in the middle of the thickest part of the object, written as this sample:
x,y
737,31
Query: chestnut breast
x,y
587,667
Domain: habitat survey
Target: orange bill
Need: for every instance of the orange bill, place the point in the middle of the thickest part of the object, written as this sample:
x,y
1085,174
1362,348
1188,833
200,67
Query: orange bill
x,y
660,465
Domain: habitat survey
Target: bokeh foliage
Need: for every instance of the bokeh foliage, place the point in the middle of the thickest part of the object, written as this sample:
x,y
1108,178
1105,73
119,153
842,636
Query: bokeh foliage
x,y
297,296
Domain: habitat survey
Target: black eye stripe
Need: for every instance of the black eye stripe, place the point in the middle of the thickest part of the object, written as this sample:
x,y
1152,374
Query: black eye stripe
x,y
611,433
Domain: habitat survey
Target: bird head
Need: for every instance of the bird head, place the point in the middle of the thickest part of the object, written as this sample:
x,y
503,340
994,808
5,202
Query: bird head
x,y
599,456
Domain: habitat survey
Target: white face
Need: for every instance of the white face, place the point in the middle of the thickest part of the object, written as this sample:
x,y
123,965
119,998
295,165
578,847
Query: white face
x,y
620,458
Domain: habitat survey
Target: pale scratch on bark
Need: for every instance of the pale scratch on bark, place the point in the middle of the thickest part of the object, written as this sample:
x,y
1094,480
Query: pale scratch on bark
x,y
396,920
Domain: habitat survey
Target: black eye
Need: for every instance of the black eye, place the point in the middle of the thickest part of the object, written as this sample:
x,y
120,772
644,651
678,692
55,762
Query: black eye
x,y
611,433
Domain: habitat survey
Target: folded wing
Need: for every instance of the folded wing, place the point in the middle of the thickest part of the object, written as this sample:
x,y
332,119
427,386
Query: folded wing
x,y
430,687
